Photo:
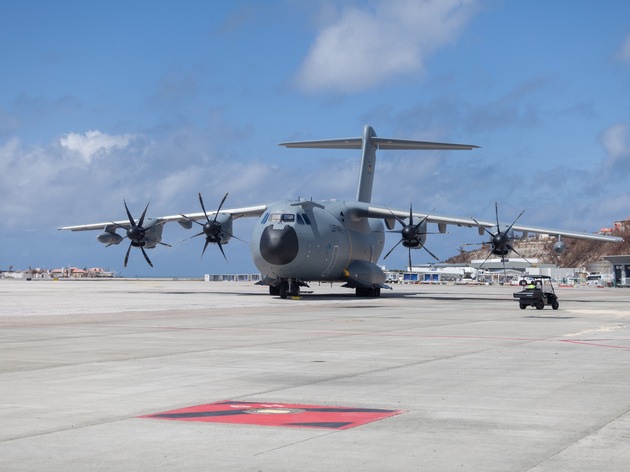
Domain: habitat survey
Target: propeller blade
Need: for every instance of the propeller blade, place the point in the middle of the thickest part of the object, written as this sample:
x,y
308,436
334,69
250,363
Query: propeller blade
x,y
221,249
511,248
390,251
485,260
401,221
423,220
127,255
190,219
514,222
205,247
482,227
220,205
232,236
203,207
431,254
143,215
145,256
131,220
117,225
496,212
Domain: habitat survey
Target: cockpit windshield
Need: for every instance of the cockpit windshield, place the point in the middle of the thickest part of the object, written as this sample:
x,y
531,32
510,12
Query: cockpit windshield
x,y
282,218
275,218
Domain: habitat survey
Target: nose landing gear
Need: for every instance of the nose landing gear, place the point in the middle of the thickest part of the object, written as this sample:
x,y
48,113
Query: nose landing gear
x,y
286,288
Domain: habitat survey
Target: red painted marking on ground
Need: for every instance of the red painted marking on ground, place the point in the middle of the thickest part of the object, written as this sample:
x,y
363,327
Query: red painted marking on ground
x,y
277,414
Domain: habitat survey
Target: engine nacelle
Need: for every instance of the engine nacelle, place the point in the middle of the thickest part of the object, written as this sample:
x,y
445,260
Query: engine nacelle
x,y
559,247
186,224
225,219
108,238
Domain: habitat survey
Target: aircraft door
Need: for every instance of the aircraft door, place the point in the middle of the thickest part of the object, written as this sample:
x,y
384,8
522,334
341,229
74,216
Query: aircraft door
x,y
333,260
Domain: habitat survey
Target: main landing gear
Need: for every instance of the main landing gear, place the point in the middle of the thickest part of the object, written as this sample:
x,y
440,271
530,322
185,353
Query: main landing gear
x,y
291,288
372,292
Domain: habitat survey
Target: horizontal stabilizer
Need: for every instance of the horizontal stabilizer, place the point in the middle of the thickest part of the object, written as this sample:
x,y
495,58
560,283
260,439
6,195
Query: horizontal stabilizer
x,y
380,143
350,143
385,143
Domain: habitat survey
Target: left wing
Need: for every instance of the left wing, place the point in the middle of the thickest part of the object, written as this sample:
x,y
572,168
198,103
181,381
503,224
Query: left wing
x,y
443,221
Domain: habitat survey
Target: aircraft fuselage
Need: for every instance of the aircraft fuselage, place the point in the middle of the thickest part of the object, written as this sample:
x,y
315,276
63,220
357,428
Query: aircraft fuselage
x,y
315,241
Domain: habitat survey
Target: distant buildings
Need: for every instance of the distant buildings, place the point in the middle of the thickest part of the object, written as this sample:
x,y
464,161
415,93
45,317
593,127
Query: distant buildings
x,y
618,227
64,272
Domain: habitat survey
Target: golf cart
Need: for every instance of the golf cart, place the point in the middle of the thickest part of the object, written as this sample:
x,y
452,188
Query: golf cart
x,y
537,293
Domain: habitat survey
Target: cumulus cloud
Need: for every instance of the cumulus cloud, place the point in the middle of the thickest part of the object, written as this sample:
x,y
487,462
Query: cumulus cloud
x,y
94,142
365,48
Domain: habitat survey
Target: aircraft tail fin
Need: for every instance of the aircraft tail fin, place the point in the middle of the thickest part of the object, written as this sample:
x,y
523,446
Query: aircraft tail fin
x,y
369,143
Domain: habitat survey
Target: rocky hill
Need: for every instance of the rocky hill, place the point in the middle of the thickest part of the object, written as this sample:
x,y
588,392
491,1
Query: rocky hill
x,y
579,252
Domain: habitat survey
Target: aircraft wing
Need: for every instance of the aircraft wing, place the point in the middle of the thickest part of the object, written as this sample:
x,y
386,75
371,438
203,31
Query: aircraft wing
x,y
113,225
443,221
245,212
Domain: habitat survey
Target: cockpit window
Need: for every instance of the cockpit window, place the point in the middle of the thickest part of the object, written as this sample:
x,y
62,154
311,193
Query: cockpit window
x,y
306,220
265,218
282,217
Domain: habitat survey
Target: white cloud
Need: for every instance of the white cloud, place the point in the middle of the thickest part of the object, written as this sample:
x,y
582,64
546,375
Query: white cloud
x,y
94,142
624,51
616,141
365,48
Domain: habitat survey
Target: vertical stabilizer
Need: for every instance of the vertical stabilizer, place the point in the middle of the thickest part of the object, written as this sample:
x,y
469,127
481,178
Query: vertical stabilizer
x,y
368,163
368,144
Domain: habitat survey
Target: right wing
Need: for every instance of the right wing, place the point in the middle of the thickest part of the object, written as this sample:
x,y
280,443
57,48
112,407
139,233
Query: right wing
x,y
235,213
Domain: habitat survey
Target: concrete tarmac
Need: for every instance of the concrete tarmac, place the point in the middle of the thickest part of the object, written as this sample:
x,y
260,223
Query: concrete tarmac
x,y
478,384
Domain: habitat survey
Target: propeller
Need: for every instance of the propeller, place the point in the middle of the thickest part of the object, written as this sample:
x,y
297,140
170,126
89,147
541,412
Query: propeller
x,y
501,241
411,235
137,234
212,227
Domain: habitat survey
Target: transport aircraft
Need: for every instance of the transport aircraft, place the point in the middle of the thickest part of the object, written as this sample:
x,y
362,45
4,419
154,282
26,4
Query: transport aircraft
x,y
302,241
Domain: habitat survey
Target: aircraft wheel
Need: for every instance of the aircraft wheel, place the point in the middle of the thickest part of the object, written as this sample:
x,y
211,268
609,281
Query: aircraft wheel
x,y
555,305
522,306
377,291
540,305
284,288
274,290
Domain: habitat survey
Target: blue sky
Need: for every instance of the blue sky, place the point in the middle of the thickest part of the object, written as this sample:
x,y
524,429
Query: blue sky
x,y
159,100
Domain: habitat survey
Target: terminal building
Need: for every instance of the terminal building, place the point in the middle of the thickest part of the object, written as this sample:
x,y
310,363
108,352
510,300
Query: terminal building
x,y
614,271
620,270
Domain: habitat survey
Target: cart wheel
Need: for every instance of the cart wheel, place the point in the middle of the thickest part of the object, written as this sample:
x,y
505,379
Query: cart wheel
x,y
540,305
555,305
522,306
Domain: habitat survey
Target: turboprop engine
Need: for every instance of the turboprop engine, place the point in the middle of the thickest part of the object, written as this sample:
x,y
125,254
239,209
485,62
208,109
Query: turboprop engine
x,y
109,237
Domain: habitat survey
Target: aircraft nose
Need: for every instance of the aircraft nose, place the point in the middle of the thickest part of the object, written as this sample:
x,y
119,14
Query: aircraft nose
x,y
279,246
